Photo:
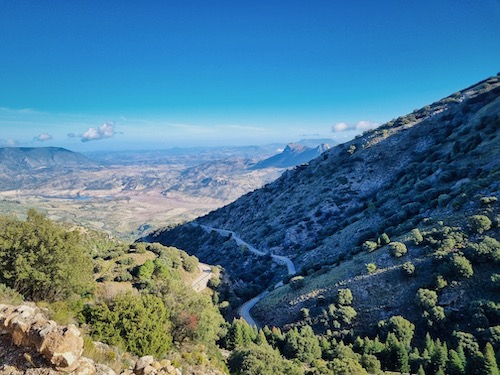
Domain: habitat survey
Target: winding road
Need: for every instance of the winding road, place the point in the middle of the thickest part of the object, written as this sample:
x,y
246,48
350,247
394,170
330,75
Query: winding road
x,y
244,310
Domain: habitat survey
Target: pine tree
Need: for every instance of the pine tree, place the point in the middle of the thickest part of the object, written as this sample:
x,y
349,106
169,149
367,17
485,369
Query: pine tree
x,y
420,371
261,338
439,356
455,364
396,355
490,364
402,364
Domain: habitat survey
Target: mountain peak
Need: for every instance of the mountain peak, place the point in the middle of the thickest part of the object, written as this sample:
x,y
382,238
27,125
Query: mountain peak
x,y
294,154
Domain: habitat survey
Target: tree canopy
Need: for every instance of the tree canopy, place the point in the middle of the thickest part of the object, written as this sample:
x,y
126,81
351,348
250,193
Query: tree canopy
x,y
43,260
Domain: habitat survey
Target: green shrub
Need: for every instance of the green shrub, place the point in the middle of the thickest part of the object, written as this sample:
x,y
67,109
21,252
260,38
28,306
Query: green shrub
x,y
145,272
383,239
214,283
397,249
486,201
487,249
495,280
409,268
461,266
371,267
479,223
10,296
124,276
138,324
42,260
440,282
344,297
189,262
370,246
426,298
417,236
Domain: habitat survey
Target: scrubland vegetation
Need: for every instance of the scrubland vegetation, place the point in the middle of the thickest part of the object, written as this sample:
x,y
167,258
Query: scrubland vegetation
x,y
135,297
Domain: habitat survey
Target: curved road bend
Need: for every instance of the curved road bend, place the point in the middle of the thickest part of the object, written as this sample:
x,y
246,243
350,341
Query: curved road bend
x,y
201,281
276,258
244,310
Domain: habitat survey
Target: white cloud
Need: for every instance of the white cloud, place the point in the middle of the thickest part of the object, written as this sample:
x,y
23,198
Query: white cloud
x,y
42,137
360,125
340,127
106,130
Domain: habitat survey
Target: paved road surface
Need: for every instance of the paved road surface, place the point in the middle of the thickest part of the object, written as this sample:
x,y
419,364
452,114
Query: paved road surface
x,y
244,310
276,258
201,281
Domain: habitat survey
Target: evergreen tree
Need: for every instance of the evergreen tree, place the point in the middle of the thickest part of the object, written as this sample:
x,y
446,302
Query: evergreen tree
x,y
402,361
429,344
239,334
420,370
260,360
455,364
402,328
439,356
395,356
490,362
261,338
303,345
42,260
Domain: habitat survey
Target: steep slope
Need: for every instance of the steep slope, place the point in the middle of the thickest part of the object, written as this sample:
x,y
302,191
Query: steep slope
x,y
294,154
433,169
319,211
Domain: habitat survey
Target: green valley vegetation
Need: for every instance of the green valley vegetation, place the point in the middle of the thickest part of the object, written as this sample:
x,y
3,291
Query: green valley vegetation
x,y
135,297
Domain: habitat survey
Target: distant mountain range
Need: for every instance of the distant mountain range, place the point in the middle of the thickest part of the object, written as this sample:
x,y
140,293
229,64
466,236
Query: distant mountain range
x,y
152,186
27,159
294,154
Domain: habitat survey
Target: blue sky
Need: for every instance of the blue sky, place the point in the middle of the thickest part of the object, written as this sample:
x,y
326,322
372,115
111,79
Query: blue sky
x,y
90,75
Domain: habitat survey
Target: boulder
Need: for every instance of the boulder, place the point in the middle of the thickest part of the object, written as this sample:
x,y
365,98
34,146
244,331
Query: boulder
x,y
63,346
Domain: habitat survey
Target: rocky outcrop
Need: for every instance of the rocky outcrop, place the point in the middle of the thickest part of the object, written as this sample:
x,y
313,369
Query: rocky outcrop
x,y
28,327
44,347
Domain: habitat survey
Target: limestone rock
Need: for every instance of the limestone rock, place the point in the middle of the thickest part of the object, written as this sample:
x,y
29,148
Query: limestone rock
x,y
104,370
63,346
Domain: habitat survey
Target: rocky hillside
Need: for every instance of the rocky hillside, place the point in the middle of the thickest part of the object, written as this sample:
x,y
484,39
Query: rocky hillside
x,y
384,180
354,217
